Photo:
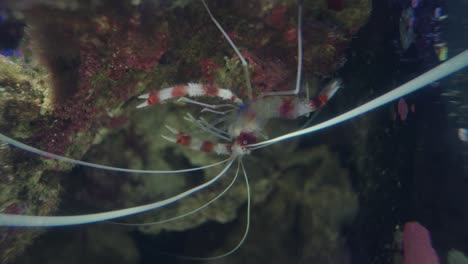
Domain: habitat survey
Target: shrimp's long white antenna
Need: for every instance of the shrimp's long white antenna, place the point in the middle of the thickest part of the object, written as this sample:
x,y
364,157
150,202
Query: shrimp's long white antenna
x,y
244,62
51,221
247,226
299,48
454,64
188,213
46,154
247,223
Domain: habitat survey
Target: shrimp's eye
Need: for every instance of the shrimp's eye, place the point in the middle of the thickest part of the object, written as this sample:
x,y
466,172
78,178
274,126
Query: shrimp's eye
x,y
246,138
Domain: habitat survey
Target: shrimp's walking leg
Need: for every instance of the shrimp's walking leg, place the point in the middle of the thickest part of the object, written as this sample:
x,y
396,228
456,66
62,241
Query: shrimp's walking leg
x,y
217,112
190,90
299,57
244,62
208,127
207,106
197,144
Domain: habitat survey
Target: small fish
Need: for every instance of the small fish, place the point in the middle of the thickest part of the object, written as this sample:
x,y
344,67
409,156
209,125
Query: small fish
x,y
417,246
463,134
402,109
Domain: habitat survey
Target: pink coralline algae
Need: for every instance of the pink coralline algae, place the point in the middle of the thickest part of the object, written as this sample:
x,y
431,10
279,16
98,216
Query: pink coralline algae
x,y
76,112
277,18
417,245
291,36
109,53
268,75
132,49
90,62
73,115
15,208
208,68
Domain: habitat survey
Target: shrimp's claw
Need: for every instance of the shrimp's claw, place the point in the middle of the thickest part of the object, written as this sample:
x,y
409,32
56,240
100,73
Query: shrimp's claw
x,y
150,98
145,103
144,96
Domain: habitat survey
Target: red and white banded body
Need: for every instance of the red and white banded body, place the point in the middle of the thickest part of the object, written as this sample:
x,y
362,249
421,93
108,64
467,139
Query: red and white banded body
x,y
244,123
254,116
190,90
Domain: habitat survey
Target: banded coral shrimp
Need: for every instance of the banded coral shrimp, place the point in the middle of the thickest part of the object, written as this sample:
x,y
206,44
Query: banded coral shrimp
x,y
368,107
